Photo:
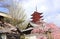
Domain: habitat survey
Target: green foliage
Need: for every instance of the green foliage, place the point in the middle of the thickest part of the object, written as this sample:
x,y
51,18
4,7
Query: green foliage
x,y
17,13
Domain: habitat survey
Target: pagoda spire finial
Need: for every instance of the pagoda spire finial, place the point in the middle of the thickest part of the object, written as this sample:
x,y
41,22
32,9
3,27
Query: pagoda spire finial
x,y
36,8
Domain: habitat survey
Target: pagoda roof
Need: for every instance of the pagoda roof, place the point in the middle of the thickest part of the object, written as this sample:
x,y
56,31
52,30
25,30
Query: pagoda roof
x,y
5,15
36,13
37,17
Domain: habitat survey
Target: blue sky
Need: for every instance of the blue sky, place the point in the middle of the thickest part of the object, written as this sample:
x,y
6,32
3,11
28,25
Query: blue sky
x,y
50,9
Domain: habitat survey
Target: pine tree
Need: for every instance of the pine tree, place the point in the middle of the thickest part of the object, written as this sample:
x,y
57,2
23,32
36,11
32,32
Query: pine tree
x,y
16,12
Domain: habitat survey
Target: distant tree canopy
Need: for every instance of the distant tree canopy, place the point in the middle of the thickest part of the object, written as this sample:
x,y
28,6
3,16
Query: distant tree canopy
x,y
15,11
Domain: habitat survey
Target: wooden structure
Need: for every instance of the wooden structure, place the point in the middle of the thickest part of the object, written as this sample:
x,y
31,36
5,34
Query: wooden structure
x,y
29,25
7,31
28,29
36,16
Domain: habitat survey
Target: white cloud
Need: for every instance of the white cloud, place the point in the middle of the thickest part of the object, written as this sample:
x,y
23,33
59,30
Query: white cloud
x,y
55,19
48,7
43,8
56,3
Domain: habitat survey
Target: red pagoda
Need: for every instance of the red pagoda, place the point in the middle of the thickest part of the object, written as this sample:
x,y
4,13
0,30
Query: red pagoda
x,y
36,16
